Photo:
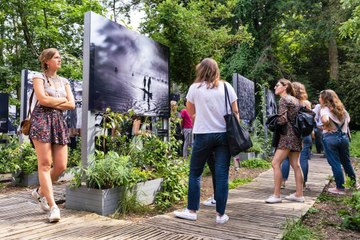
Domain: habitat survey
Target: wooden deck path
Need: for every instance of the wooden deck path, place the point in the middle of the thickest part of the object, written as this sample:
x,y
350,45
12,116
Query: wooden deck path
x,y
250,217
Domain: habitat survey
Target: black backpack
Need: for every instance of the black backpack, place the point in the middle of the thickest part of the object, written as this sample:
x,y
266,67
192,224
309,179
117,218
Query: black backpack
x,y
304,122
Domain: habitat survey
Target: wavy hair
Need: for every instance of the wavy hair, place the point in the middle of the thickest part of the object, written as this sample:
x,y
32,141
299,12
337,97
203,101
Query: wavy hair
x,y
208,72
46,55
289,87
300,91
331,100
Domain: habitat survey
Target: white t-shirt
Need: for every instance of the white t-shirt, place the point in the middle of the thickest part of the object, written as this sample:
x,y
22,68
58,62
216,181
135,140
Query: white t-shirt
x,y
326,111
210,106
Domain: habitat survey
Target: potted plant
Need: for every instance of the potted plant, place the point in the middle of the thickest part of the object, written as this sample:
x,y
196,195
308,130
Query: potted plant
x,y
27,163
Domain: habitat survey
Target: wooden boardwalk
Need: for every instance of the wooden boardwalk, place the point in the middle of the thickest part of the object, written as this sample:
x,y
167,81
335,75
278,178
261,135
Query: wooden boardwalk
x,y
250,217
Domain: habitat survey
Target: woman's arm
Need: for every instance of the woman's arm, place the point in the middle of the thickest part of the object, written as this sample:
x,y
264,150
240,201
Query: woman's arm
x,y
70,104
43,98
235,109
191,110
283,119
136,126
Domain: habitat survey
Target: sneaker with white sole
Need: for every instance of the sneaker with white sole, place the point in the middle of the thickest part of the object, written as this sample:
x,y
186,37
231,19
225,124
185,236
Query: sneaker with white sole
x,y
222,219
210,202
40,200
186,214
54,215
336,191
294,198
273,199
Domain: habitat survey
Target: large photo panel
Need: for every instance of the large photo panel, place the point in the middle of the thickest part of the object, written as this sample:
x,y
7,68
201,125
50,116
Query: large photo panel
x,y
127,70
245,90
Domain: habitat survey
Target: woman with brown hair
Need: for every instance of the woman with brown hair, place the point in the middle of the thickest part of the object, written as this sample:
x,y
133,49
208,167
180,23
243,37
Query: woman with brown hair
x,y
289,144
48,130
206,101
305,154
335,121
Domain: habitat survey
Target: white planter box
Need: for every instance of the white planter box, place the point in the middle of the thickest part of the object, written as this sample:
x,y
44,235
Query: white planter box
x,y
25,179
105,201
246,155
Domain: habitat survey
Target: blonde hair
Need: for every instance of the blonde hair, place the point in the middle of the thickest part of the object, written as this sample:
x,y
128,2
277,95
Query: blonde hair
x,y
300,91
289,87
46,55
208,72
332,101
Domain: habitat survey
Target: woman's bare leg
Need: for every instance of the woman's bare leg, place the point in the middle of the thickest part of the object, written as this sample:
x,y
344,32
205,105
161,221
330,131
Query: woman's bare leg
x,y
299,177
279,157
60,158
44,156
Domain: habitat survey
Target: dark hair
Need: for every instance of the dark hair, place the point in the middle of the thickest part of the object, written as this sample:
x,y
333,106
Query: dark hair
x,y
46,55
208,71
289,87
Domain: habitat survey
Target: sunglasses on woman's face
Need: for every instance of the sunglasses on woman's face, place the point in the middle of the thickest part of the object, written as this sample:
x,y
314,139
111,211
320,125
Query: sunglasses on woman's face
x,y
278,85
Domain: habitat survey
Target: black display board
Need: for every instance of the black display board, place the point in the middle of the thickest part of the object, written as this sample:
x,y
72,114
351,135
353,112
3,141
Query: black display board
x,y
245,91
4,112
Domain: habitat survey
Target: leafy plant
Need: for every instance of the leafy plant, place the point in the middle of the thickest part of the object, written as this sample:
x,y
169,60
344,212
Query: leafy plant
x,y
9,154
238,182
355,144
28,160
256,163
295,230
351,218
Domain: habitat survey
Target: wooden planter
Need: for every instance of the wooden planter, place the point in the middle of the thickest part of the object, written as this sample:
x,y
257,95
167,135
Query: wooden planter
x,y
26,179
105,201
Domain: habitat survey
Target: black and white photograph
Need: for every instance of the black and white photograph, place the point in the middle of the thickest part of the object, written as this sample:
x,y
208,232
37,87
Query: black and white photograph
x,y
271,107
4,112
127,70
245,90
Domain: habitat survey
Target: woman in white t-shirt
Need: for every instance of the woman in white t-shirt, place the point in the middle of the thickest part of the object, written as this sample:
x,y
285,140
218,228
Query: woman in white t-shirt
x,y
335,121
206,100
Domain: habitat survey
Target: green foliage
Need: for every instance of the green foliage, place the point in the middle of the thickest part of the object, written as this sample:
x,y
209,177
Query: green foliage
x,y
313,210
351,218
238,182
355,144
295,230
256,163
9,153
107,170
193,31
74,157
28,162
129,204
351,27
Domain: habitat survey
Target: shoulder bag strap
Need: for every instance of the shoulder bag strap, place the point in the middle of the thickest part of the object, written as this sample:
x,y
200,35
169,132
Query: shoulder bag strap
x,y
339,128
30,102
227,98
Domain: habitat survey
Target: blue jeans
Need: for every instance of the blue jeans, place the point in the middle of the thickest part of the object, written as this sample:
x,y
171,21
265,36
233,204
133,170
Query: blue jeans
x,y
204,145
336,146
318,140
305,155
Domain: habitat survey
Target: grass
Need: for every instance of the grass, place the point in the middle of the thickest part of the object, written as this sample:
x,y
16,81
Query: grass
x,y
355,144
295,230
238,182
256,163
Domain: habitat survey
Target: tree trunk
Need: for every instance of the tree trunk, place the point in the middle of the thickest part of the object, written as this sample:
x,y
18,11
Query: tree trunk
x,y
333,59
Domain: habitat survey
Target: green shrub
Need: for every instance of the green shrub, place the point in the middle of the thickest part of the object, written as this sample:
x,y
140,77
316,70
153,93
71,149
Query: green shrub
x,y
351,218
256,163
9,154
355,144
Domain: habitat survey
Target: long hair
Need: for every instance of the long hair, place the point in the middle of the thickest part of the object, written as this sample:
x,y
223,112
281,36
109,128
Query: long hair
x,y
289,87
331,100
208,72
46,55
300,91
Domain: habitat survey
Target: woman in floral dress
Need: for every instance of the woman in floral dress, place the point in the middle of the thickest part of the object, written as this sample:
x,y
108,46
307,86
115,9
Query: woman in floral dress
x,y
48,130
289,144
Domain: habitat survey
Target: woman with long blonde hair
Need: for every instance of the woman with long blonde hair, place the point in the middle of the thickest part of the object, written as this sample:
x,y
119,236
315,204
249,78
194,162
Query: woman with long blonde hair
x,y
206,101
49,131
336,120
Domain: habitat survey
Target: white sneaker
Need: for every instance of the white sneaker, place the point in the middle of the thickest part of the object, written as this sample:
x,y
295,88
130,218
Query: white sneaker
x,y
210,202
54,215
273,199
222,219
294,198
186,214
40,200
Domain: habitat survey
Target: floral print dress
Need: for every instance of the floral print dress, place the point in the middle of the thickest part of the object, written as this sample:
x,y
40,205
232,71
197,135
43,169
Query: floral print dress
x,y
288,108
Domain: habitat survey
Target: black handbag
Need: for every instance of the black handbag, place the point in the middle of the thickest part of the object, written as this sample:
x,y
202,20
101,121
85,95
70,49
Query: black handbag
x,y
238,137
